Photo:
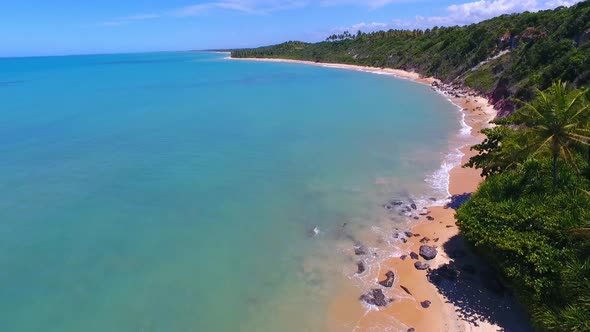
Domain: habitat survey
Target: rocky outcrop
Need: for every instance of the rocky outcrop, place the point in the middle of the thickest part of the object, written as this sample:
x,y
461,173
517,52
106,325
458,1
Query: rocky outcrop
x,y
360,249
428,252
388,282
425,304
375,297
421,266
583,37
360,267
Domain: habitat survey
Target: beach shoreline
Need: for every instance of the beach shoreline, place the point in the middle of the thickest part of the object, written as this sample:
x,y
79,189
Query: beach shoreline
x,y
437,228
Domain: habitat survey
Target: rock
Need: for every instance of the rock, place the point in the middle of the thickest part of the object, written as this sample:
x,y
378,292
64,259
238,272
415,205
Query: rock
x,y
428,252
421,266
405,289
389,281
413,205
396,203
425,304
417,218
375,297
409,234
435,239
411,329
403,257
425,240
414,255
430,218
360,249
404,240
360,267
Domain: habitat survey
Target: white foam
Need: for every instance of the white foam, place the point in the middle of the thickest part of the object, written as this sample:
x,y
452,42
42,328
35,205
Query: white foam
x,y
440,179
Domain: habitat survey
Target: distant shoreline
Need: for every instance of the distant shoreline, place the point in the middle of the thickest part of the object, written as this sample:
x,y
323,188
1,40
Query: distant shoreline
x,y
477,114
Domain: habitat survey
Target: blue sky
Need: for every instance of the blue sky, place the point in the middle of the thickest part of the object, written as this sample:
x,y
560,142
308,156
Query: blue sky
x,y
56,27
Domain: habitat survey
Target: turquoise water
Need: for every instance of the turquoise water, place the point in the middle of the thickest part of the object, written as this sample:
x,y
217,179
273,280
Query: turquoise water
x,y
175,191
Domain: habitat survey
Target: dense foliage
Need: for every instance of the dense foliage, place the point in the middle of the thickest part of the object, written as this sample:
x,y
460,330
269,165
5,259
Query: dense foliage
x,y
519,224
556,123
530,218
505,56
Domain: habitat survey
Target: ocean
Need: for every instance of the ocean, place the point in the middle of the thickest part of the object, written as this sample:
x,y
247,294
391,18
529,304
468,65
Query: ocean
x,y
180,191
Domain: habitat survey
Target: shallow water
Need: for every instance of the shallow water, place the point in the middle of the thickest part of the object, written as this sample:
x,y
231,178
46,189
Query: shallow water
x,y
176,191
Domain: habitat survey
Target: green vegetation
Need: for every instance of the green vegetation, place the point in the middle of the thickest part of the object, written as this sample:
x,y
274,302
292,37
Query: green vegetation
x,y
530,218
537,49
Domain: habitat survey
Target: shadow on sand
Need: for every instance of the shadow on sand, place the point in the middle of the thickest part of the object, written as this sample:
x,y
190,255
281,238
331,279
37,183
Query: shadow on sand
x,y
474,289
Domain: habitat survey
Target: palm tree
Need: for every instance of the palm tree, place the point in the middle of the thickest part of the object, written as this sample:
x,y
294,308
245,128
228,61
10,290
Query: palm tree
x,y
556,122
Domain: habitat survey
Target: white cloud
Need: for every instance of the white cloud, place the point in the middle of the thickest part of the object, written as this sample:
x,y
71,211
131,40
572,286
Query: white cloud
x,y
254,7
244,6
372,4
462,14
365,27
478,11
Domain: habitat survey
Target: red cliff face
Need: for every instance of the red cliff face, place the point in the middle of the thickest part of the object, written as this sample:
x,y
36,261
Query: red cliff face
x,y
499,97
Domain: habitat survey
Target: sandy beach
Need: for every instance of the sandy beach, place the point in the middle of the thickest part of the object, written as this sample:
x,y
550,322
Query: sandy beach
x,y
422,305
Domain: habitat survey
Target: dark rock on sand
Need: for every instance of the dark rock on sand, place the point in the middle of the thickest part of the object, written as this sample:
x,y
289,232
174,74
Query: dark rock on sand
x,y
411,329
425,304
389,281
430,218
409,234
360,249
414,255
428,252
403,257
421,266
375,297
425,240
360,267
405,289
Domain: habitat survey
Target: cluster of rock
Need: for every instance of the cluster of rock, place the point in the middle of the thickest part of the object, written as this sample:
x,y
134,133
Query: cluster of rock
x,y
408,209
376,297
455,89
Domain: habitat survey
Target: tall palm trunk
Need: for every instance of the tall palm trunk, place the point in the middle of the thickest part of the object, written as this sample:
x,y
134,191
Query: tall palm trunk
x,y
555,171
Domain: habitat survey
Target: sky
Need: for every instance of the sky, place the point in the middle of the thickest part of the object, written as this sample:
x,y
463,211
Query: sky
x,y
63,27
